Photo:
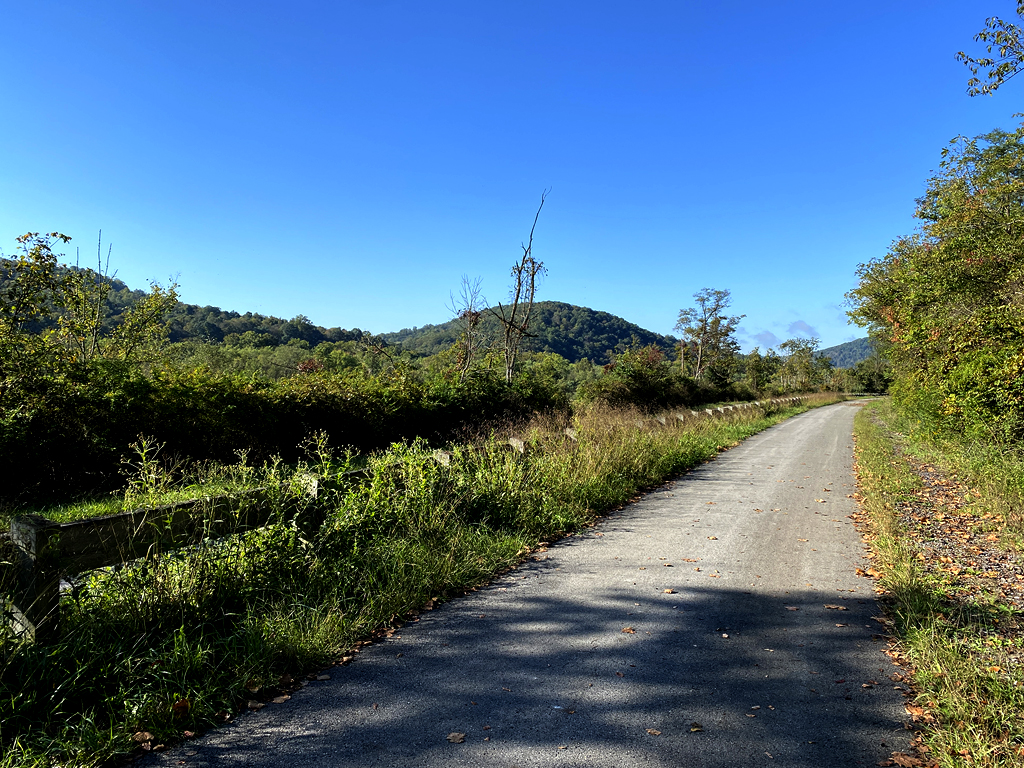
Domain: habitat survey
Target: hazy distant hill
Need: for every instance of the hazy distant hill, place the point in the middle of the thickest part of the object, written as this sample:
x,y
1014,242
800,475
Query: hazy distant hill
x,y
849,354
571,331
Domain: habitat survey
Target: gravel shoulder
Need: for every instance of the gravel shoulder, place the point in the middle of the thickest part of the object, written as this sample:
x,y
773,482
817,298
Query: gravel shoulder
x,y
717,621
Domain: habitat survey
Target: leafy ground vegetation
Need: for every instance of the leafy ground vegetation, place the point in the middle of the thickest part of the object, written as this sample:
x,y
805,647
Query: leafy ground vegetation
x,y
157,650
945,528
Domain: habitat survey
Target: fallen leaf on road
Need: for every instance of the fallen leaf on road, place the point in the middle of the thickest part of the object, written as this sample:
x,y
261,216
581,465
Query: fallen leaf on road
x,y
456,738
281,699
792,608
668,565
696,727
255,705
653,732
713,538
619,674
836,607
820,501
842,625
142,736
670,591
629,630
801,539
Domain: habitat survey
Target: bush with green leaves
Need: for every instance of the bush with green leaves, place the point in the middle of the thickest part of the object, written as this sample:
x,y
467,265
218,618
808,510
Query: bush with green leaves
x,y
945,304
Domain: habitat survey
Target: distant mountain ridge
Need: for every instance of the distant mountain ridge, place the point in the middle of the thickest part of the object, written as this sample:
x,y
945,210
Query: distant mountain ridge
x,y
849,354
572,331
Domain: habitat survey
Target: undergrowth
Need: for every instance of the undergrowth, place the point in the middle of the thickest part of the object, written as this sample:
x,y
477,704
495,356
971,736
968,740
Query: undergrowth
x,y
180,641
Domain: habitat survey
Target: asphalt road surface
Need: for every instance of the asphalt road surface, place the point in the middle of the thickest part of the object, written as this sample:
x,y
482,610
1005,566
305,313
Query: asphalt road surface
x,y
692,629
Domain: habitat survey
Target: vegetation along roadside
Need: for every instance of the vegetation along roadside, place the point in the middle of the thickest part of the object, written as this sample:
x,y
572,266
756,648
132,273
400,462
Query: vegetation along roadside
x,y
177,642
943,518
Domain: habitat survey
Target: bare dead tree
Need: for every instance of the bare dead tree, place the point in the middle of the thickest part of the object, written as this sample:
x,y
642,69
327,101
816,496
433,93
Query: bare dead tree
x,y
468,309
515,317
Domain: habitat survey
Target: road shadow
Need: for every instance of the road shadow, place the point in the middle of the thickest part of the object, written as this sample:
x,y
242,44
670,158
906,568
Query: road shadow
x,y
726,677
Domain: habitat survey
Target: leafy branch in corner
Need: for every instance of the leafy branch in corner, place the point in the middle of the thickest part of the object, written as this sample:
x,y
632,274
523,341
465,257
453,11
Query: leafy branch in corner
x,y
1005,41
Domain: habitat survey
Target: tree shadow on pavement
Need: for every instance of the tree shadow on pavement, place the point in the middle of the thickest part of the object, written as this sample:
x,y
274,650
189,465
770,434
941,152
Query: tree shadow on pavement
x,y
703,678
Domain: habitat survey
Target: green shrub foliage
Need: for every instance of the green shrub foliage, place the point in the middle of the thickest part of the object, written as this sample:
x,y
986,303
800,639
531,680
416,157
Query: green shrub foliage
x,y
947,305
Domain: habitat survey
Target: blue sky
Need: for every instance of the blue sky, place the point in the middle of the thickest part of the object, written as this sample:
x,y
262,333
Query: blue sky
x,y
350,161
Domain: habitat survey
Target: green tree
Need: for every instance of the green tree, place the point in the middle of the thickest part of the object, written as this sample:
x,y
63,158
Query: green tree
x,y
871,374
53,318
30,287
760,369
708,344
801,368
947,303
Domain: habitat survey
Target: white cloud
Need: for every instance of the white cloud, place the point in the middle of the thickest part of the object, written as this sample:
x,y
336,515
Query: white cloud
x,y
802,329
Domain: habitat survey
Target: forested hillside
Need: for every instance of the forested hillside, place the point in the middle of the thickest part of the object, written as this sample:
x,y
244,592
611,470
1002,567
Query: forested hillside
x,y
848,354
571,331
568,330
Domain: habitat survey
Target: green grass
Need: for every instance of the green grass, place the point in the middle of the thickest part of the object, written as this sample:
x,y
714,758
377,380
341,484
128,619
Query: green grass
x,y
178,642
962,664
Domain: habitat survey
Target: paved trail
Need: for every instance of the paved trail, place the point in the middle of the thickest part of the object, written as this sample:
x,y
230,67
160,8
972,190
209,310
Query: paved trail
x,y
536,670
